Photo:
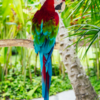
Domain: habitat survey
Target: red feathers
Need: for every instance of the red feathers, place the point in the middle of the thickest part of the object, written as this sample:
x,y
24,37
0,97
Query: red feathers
x,y
56,17
45,74
49,5
46,13
44,70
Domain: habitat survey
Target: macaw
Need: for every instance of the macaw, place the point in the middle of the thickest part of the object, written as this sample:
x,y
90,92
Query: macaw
x,y
45,27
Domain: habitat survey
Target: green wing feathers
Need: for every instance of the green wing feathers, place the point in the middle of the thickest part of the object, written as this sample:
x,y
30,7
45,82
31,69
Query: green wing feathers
x,y
47,30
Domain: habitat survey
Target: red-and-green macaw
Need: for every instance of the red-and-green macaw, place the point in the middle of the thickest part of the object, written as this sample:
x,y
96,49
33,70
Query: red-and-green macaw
x,y
45,26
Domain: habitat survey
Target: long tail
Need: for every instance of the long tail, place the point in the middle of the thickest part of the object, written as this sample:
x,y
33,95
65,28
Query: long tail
x,y
46,69
46,78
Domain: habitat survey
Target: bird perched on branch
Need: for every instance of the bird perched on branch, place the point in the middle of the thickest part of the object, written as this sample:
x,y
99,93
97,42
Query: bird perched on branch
x,y
45,27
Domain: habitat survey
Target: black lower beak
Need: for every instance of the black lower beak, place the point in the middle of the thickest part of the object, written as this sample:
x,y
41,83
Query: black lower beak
x,y
58,7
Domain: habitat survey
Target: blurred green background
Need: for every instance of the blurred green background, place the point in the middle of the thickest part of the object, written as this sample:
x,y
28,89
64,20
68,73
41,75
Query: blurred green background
x,y
20,76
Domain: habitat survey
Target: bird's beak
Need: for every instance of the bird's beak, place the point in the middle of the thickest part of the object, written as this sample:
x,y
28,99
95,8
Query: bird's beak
x,y
60,6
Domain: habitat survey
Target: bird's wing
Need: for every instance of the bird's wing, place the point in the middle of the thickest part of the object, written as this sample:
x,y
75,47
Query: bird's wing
x,y
44,31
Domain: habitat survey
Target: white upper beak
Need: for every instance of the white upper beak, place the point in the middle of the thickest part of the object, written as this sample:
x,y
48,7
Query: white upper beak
x,y
63,7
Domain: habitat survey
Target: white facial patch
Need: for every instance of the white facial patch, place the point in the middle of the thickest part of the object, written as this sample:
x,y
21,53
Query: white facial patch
x,y
42,1
56,2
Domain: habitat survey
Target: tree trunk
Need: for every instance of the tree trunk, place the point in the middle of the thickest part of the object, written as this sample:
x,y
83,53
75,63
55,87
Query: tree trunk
x,y
80,82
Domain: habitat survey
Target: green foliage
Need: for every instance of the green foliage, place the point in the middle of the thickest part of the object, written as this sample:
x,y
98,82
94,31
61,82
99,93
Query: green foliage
x,y
3,53
58,84
55,70
14,87
18,79
91,60
95,83
94,80
21,81
84,18
19,10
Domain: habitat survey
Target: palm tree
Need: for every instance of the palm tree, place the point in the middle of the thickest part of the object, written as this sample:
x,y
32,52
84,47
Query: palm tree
x,y
86,13
79,80
85,23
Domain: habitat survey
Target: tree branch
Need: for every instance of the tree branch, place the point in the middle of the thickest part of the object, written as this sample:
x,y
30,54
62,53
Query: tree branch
x,y
20,42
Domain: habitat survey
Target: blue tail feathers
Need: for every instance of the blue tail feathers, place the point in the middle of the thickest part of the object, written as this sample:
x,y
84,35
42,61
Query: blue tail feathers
x,y
46,73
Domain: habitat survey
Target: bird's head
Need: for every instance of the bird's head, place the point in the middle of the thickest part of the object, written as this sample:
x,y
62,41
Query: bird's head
x,y
57,4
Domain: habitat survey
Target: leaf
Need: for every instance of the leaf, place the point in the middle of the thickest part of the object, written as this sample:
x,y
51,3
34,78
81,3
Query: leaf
x,y
93,39
6,94
80,39
19,10
3,54
30,93
6,8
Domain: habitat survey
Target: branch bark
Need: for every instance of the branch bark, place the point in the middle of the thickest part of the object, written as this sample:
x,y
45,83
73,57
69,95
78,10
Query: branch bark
x,y
20,42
